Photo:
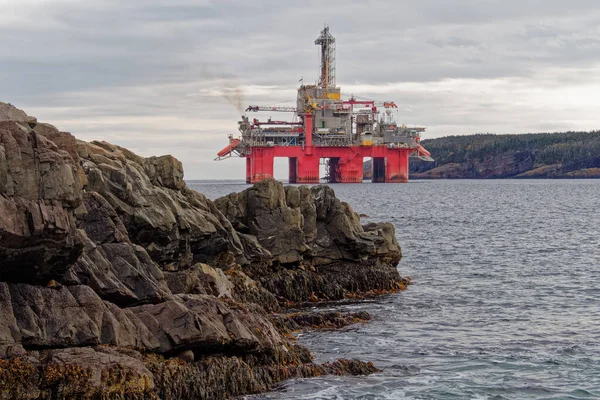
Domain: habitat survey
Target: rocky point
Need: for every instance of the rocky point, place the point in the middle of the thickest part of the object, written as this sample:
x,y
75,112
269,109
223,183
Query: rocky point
x,y
117,281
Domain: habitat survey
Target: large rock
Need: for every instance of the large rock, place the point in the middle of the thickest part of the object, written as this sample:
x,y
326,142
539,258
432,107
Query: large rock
x,y
77,373
301,225
200,279
38,195
101,371
177,227
207,325
10,334
234,284
118,270
320,249
262,212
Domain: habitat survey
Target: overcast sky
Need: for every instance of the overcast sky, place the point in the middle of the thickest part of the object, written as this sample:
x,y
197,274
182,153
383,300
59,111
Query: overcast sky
x,y
151,75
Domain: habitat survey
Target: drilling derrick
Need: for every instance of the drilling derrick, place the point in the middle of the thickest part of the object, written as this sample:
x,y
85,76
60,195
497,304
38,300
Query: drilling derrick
x,y
327,43
325,127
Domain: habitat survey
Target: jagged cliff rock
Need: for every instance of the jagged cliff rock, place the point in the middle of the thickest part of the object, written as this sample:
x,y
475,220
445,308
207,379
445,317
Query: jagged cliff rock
x,y
320,248
177,226
117,280
39,237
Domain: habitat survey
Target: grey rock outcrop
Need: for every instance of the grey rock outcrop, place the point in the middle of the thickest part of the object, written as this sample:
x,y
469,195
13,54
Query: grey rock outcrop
x,y
39,239
320,249
176,226
8,112
116,278
46,318
301,225
200,279
120,271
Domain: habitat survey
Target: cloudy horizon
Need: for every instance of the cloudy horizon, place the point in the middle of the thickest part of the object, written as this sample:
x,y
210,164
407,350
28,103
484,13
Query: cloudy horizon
x,y
160,79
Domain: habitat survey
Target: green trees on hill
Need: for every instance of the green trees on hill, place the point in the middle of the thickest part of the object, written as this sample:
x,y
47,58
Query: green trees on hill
x,y
571,150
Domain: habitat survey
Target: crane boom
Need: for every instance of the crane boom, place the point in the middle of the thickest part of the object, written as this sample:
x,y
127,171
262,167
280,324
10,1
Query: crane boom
x,y
343,106
271,108
335,107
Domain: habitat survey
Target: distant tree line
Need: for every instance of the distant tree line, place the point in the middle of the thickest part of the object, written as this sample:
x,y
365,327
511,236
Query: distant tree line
x,y
573,150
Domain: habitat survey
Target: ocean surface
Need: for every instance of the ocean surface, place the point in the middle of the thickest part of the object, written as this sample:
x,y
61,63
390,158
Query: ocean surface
x,y
505,301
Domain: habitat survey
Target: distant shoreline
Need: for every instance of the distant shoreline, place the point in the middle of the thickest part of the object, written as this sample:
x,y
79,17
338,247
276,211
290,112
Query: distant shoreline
x,y
568,155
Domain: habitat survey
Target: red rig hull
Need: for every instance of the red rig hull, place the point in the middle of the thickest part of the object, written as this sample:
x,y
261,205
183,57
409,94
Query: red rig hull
x,y
390,165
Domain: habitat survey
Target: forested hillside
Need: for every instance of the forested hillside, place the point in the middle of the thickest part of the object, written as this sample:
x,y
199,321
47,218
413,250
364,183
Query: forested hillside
x,y
544,155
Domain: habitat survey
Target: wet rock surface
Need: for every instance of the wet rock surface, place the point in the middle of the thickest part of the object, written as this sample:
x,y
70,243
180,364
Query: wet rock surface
x,y
117,281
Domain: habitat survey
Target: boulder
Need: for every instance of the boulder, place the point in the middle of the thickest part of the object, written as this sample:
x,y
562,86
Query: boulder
x,y
102,371
10,334
118,270
319,247
262,211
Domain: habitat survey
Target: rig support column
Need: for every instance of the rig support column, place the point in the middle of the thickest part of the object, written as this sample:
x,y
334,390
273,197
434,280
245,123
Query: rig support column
x,y
293,177
308,169
333,170
351,170
378,170
248,170
308,129
396,170
262,163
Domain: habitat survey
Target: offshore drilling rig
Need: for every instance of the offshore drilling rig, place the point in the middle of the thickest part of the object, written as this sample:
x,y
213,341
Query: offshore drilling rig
x,y
325,127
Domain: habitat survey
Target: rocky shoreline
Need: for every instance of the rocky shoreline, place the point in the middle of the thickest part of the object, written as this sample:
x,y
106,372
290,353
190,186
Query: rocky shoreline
x,y
117,281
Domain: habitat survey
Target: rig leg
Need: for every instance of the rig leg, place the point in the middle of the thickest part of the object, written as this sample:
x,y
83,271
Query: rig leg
x,y
378,170
396,170
308,169
351,171
333,170
262,163
248,170
293,177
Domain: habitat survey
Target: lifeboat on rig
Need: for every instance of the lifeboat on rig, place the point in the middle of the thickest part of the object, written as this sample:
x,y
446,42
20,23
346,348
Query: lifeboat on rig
x,y
226,151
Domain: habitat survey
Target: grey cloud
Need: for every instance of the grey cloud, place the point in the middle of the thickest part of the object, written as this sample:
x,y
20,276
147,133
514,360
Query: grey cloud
x,y
147,74
454,42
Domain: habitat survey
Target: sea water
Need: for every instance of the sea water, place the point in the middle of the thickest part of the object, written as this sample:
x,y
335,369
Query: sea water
x,y
505,300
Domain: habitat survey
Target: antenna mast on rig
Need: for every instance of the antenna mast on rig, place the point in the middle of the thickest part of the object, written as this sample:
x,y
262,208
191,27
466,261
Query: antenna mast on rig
x,y
327,43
